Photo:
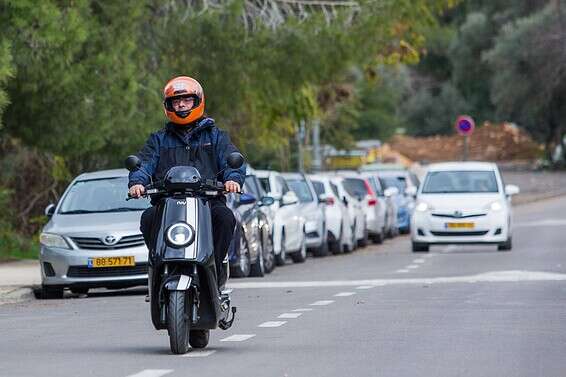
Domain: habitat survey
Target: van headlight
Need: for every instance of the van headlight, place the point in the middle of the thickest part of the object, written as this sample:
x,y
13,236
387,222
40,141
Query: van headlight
x,y
53,240
180,235
496,206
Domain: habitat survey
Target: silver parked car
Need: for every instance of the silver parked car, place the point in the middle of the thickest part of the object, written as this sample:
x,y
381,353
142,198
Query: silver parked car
x,y
92,238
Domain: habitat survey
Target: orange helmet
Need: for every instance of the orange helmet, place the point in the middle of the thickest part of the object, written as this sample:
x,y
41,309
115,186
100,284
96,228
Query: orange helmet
x,y
183,86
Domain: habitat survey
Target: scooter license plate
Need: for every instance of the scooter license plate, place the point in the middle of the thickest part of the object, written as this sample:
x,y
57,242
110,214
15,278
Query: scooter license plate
x,y
111,262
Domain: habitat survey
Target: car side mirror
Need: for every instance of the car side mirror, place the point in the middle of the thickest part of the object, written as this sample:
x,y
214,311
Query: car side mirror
x,y
323,198
411,191
289,198
511,190
50,210
132,163
266,201
235,160
246,198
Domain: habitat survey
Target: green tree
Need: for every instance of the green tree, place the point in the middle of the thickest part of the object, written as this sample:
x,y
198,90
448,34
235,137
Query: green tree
x,y
529,59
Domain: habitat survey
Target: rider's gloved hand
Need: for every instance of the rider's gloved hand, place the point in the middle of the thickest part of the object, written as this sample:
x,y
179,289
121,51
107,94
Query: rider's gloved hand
x,y
231,186
137,191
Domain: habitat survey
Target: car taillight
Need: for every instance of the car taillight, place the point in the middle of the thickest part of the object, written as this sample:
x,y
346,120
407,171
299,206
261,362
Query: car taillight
x,y
330,201
372,201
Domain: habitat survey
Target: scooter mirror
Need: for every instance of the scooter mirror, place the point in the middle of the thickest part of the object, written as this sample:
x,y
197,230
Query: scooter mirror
x,y
133,163
235,160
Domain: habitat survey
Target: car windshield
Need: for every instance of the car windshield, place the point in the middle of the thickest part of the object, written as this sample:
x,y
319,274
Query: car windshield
x,y
100,195
455,182
301,188
355,187
398,182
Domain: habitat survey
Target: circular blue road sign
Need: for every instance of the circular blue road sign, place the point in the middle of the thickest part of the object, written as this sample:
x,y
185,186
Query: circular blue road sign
x,y
465,125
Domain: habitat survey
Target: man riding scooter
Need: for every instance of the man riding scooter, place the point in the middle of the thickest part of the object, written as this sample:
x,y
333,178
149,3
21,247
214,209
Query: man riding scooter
x,y
190,139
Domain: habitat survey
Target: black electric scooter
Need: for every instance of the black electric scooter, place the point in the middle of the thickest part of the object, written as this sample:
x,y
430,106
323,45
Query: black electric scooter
x,y
183,283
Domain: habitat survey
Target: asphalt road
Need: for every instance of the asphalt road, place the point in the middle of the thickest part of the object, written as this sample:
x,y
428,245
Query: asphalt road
x,y
381,311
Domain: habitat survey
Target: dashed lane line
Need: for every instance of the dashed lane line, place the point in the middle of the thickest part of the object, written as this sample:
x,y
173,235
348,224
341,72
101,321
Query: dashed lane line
x,y
344,294
237,338
290,315
322,302
402,271
303,310
195,353
152,373
273,324
419,260
413,266
365,287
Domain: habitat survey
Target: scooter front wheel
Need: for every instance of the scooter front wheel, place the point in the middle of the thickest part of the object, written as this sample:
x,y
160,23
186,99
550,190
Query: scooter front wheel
x,y
178,322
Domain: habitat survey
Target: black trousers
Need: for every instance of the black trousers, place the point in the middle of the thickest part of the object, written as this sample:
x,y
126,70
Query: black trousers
x,y
223,224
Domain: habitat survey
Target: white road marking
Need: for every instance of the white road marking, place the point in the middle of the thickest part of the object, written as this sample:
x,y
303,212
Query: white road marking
x,y
429,255
420,260
273,324
290,315
237,338
547,222
402,271
413,266
365,287
198,353
152,373
322,302
488,277
303,310
344,294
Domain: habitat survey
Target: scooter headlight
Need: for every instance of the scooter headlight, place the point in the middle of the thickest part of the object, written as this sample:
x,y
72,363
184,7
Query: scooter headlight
x,y
180,235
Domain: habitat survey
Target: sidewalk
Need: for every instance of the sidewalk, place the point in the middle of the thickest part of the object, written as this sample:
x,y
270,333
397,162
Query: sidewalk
x,y
17,279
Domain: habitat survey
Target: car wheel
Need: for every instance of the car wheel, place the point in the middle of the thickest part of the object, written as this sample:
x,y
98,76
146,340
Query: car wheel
x,y
364,241
419,247
301,255
51,293
79,291
258,268
506,246
336,246
322,250
269,257
280,258
242,269
378,238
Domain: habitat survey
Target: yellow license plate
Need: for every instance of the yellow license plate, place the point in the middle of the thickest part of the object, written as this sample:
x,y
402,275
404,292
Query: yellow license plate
x,y
460,225
111,262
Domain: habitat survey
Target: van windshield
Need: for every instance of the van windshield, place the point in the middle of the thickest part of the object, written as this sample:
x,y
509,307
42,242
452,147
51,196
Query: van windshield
x,y
100,195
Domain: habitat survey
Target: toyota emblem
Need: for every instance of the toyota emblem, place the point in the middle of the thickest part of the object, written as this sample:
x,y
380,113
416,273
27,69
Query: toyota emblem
x,y
110,240
458,214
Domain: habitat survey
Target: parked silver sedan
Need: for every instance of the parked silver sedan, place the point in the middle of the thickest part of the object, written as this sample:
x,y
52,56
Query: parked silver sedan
x,y
92,238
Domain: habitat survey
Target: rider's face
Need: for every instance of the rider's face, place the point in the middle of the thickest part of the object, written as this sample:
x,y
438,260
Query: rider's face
x,y
183,103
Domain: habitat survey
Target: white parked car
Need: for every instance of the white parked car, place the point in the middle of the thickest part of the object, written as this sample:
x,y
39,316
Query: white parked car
x,y
312,210
338,222
463,203
288,224
355,209
386,207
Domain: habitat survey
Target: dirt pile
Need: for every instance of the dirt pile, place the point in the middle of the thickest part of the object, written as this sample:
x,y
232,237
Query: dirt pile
x,y
502,142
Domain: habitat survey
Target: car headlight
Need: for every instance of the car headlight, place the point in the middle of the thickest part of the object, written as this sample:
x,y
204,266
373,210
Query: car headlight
x,y
180,235
422,207
496,206
53,240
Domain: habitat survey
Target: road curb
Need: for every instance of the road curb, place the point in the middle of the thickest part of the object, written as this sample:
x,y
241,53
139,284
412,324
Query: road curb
x,y
14,294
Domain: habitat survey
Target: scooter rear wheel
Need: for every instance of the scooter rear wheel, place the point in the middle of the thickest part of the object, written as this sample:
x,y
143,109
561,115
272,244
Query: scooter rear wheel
x,y
199,338
178,322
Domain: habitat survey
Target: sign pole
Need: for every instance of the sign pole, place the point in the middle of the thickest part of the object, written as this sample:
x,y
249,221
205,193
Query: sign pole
x,y
465,147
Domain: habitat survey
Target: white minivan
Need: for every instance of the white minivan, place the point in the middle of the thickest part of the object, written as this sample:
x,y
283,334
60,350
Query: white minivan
x,y
463,203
